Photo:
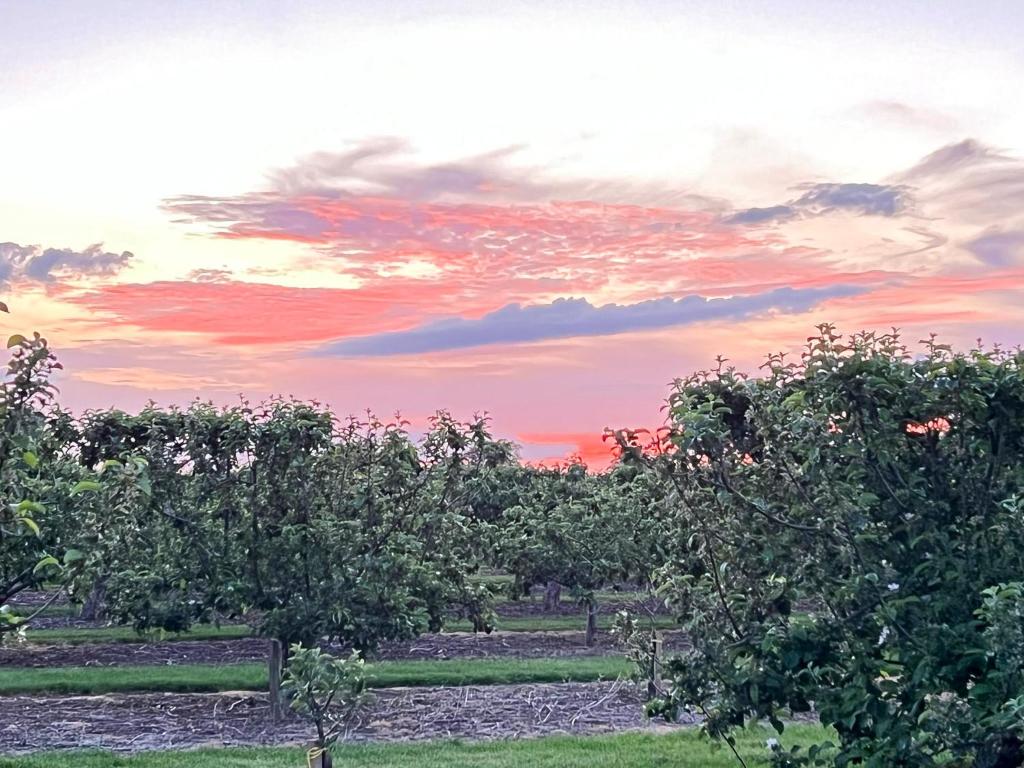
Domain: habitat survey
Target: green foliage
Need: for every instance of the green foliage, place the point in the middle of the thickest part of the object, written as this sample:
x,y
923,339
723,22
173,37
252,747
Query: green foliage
x,y
879,491
325,689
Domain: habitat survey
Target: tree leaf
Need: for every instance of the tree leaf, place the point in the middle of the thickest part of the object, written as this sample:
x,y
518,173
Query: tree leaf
x,y
73,556
85,485
46,562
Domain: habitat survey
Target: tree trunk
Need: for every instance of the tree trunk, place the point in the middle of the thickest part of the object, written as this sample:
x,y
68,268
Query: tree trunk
x,y
274,665
552,596
591,636
94,607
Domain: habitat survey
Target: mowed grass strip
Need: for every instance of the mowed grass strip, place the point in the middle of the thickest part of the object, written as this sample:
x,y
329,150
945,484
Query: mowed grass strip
x,y
73,636
681,749
195,678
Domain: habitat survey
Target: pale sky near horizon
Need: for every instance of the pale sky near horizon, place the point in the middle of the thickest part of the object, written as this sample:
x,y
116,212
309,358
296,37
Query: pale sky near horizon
x,y
546,211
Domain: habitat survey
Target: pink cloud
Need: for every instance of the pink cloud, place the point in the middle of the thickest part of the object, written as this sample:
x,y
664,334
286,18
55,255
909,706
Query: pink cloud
x,y
233,312
464,239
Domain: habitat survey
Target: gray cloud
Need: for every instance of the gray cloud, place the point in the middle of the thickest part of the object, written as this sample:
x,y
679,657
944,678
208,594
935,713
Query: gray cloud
x,y
762,215
30,262
820,199
565,318
210,275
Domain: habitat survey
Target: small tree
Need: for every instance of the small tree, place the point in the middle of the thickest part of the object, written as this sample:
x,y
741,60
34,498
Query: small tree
x,y
326,690
583,531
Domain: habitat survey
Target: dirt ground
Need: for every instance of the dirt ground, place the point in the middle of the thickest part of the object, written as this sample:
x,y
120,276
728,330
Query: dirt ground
x,y
140,722
520,645
535,608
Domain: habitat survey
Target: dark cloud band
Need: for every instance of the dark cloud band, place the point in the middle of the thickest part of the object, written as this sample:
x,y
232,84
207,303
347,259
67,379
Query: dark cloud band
x,y
566,318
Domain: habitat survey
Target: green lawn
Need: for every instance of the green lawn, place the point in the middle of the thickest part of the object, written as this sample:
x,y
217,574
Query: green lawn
x,y
384,674
686,749
208,632
50,610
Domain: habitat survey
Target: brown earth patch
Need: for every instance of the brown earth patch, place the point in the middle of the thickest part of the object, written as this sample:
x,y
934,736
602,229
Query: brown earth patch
x,y
138,722
457,645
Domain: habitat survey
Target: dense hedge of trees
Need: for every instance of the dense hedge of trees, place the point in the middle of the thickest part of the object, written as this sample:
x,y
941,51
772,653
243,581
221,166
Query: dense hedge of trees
x,y
307,526
842,534
848,535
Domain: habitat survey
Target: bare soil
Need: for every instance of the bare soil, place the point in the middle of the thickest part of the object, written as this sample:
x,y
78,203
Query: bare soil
x,y
519,645
33,599
131,723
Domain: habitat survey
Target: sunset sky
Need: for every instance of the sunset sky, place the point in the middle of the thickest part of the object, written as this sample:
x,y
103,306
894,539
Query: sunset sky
x,y
546,212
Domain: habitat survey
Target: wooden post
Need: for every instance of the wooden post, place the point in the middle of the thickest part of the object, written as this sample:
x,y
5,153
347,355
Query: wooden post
x,y
319,758
274,669
654,680
591,636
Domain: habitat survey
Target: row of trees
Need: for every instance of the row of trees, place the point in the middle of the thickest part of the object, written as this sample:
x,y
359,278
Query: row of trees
x,y
306,526
842,533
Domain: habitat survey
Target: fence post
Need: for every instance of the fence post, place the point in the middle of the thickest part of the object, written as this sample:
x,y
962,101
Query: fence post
x,y
654,679
274,671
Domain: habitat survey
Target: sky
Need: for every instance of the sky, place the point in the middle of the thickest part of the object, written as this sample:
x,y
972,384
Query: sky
x,y
546,212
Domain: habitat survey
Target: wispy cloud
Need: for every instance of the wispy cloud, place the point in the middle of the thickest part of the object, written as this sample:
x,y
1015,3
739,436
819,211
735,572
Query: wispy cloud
x,y
971,183
901,115
578,317
388,167
997,248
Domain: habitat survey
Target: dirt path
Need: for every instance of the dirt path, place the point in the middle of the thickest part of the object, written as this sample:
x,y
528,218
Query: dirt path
x,y
165,721
518,645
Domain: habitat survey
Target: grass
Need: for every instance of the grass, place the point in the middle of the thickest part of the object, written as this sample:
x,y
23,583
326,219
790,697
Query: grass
x,y
681,749
194,678
50,610
73,636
